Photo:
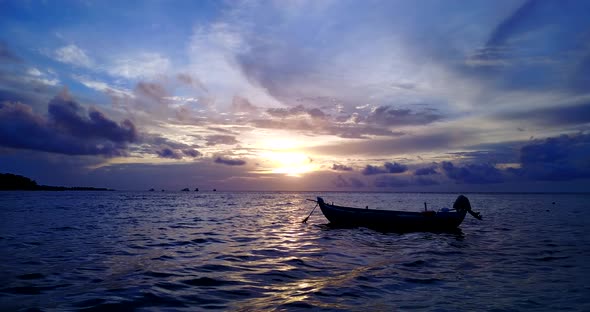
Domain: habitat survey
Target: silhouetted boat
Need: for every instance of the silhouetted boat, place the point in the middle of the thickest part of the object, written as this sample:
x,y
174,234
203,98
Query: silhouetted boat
x,y
185,189
444,219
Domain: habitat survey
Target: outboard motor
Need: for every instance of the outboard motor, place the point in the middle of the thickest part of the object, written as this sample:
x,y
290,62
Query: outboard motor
x,y
463,204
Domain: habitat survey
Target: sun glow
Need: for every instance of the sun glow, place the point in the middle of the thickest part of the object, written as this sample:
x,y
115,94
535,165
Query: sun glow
x,y
290,163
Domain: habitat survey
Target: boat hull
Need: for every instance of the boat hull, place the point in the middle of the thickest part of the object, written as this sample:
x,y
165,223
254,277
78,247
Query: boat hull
x,y
390,220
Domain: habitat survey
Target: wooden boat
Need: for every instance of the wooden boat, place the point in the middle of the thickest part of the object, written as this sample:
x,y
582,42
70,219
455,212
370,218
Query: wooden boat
x,y
428,220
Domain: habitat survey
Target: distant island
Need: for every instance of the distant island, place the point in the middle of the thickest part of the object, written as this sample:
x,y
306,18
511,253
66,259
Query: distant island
x,y
13,182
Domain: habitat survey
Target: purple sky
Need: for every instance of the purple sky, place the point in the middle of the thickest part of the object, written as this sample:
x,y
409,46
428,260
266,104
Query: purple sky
x,y
450,96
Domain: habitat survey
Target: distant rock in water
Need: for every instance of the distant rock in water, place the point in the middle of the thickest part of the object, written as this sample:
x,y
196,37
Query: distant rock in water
x,y
185,189
13,182
214,190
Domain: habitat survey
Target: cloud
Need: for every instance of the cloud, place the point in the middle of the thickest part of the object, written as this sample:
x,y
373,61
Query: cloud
x,y
66,131
223,130
103,87
425,171
219,139
441,140
192,81
151,90
242,105
515,55
315,122
296,111
191,153
556,159
142,65
390,116
72,54
387,168
371,170
66,114
229,161
339,167
164,147
472,173
168,153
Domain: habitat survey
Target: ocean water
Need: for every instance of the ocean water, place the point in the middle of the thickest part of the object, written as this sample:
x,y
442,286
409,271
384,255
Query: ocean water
x,y
192,251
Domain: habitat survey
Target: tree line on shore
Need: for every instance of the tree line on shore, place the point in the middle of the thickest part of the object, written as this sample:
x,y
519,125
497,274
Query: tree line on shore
x,y
14,182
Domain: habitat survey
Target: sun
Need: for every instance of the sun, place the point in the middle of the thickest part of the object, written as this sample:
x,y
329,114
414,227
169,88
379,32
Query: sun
x,y
292,164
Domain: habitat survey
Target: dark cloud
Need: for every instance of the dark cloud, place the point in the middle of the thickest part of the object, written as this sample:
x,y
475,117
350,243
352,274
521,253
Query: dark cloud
x,y
67,130
390,116
165,148
191,153
386,168
556,159
472,173
425,171
371,170
67,115
339,167
160,141
168,153
395,167
229,161
341,181
213,140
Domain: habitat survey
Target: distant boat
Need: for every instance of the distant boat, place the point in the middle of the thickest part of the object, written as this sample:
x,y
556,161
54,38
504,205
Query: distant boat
x,y
152,190
444,219
186,189
197,189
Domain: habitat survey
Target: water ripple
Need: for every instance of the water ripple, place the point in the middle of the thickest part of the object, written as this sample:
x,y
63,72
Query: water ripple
x,y
250,252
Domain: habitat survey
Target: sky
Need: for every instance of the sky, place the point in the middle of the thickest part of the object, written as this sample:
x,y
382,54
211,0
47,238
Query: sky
x,y
296,95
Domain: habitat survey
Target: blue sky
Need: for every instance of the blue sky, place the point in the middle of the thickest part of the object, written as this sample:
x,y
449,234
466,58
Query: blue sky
x,y
297,95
